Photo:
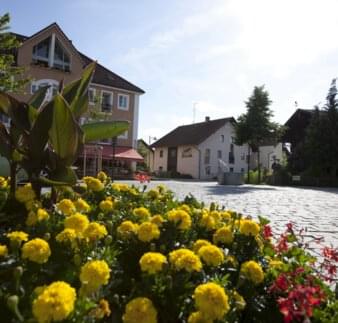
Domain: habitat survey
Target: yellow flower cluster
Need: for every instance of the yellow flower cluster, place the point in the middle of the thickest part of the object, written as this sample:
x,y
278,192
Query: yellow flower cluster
x,y
78,222
252,271
209,220
249,227
140,310
127,229
185,259
142,213
148,231
211,255
93,183
25,193
198,317
17,236
3,183
211,300
3,250
82,206
153,194
181,218
106,205
223,235
119,187
54,303
36,250
67,235
152,262
102,176
198,244
94,274
95,231
66,206
34,217
157,219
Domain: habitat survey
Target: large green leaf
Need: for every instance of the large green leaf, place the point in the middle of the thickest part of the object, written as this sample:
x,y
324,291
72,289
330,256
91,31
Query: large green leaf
x,y
64,133
103,130
38,97
64,175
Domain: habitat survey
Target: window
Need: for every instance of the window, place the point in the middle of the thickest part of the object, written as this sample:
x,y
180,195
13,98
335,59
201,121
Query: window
x,y
106,101
207,156
207,170
187,153
231,154
52,90
91,96
231,169
219,154
123,102
242,170
222,138
50,53
123,135
161,153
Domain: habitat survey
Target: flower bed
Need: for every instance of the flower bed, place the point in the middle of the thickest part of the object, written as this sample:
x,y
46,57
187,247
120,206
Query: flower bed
x,y
113,253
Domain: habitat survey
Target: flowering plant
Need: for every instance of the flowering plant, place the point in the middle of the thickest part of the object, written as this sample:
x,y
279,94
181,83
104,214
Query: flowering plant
x,y
115,253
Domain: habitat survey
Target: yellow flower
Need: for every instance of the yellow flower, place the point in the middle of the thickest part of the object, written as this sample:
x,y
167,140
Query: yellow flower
x,y
148,231
102,176
66,207
276,264
106,205
142,213
17,236
216,215
226,215
211,300
180,217
185,259
252,271
157,219
36,250
55,303
185,208
94,274
249,227
93,184
127,229
239,301
3,182
140,310
3,250
33,205
25,193
77,222
95,231
223,235
82,206
198,317
34,217
67,235
152,262
153,194
101,310
199,244
208,221
211,255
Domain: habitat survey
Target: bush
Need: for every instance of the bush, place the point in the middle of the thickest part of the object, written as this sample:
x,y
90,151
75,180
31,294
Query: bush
x,y
114,253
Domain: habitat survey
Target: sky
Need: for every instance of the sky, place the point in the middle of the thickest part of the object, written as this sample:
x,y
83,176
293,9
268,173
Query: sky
x,y
197,58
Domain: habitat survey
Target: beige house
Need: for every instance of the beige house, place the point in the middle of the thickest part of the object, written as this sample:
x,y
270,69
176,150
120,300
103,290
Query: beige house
x,y
50,57
201,150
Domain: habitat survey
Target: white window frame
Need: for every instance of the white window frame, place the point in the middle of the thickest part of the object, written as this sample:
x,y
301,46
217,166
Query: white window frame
x,y
94,94
118,101
111,100
123,135
50,82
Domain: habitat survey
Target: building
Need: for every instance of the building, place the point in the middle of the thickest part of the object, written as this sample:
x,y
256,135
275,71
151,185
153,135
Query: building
x,y
147,152
200,150
50,57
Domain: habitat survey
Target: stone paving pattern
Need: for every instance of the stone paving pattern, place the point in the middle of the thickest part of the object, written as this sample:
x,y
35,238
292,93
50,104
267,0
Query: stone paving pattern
x,y
313,208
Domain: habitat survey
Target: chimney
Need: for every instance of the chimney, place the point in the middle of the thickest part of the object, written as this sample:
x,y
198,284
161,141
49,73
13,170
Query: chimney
x,y
207,119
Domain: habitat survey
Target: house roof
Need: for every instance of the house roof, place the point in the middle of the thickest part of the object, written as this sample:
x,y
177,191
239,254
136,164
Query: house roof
x,y
142,142
192,134
102,75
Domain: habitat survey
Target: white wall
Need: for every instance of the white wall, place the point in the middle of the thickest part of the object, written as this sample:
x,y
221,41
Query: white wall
x,y
267,154
214,143
161,161
188,165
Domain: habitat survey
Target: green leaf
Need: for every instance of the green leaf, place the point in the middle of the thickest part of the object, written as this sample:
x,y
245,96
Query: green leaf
x,y
64,133
64,174
70,91
38,97
103,130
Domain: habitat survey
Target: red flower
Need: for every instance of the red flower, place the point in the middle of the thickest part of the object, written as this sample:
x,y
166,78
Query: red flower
x,y
142,178
282,244
267,232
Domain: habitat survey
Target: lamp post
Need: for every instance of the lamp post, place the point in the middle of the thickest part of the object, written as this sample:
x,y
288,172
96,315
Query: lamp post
x,y
114,139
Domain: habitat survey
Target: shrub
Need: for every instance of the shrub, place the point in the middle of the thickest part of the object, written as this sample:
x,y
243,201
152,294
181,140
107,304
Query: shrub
x,y
151,258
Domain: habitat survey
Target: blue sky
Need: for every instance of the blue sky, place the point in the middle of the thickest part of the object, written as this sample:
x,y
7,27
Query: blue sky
x,y
207,54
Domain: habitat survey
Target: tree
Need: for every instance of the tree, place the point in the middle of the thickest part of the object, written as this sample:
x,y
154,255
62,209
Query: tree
x,y
10,80
254,127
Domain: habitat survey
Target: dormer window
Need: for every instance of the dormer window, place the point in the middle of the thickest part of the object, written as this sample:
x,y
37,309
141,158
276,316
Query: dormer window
x,y
50,53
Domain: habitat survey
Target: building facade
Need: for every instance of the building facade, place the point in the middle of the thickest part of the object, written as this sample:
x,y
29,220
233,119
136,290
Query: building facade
x,y
48,58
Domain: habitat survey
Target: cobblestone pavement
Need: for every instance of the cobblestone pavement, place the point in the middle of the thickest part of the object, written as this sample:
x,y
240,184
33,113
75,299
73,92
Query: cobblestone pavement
x,y
313,208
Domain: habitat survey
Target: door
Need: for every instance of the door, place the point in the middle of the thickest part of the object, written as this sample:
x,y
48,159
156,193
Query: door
x,y
172,159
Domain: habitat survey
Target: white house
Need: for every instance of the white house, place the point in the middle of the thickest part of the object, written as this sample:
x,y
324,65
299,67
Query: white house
x,y
201,150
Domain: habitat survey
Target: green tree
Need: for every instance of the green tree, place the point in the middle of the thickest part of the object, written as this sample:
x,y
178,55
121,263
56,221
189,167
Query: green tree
x,y
10,75
254,127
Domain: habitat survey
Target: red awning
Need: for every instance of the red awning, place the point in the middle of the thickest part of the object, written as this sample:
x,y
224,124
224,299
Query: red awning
x,y
125,153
